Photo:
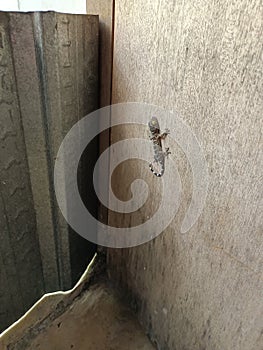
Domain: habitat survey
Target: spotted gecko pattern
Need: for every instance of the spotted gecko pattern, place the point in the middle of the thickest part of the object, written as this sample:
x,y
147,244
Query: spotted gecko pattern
x,y
159,155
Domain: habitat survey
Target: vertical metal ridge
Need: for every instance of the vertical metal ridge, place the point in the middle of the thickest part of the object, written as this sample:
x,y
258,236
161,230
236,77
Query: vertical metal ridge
x,y
42,72
112,48
23,137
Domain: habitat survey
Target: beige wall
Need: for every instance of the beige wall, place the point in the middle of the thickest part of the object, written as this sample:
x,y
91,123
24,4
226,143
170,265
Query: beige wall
x,y
202,59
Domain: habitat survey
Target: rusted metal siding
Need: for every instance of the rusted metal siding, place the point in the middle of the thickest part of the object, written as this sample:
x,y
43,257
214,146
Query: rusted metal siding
x,y
48,81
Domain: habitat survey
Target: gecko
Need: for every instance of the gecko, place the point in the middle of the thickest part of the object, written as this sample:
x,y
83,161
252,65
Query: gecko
x,y
159,155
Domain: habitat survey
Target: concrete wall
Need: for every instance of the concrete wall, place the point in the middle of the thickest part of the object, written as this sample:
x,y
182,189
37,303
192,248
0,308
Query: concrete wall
x,y
48,80
201,290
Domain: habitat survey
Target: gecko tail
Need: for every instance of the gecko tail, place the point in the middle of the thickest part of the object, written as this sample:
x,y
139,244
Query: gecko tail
x,y
158,174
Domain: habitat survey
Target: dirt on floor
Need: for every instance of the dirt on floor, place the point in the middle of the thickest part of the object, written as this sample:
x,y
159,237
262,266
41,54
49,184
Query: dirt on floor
x,y
91,316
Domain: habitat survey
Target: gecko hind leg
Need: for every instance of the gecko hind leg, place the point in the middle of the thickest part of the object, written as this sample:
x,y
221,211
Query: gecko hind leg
x,y
167,152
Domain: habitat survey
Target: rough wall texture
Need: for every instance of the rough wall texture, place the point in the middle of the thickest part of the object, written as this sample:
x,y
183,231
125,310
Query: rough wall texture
x,y
48,80
201,290
20,258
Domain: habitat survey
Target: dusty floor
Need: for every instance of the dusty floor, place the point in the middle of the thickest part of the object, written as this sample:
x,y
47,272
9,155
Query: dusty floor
x,y
96,321
85,318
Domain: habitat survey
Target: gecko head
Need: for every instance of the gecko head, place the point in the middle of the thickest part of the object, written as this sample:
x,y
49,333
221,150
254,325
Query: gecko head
x,y
154,125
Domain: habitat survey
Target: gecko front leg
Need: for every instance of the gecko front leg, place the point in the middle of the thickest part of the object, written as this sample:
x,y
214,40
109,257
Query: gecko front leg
x,y
164,134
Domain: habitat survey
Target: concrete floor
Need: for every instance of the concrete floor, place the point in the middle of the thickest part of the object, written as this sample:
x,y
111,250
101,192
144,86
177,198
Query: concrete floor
x,y
91,316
